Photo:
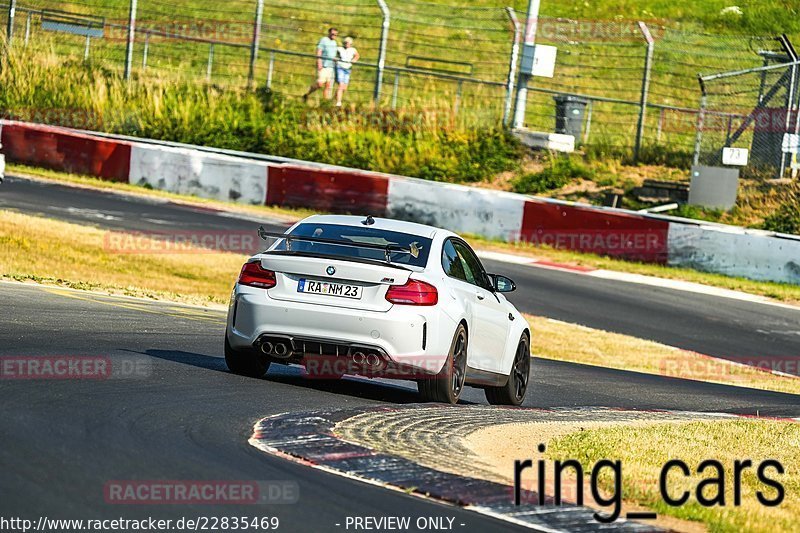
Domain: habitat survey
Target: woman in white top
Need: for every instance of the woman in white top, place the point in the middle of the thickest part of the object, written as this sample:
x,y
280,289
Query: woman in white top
x,y
347,55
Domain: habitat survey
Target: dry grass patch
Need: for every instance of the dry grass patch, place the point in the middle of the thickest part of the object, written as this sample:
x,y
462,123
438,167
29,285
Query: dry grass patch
x,y
48,251
644,449
553,339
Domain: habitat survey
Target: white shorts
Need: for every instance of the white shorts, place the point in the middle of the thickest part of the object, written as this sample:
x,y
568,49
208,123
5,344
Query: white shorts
x,y
325,76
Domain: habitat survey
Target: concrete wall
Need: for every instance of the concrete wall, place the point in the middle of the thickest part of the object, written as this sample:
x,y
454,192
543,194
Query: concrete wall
x,y
219,177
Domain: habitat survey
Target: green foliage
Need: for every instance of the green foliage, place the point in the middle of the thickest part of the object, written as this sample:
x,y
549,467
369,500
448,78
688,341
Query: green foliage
x,y
698,212
560,171
787,217
412,141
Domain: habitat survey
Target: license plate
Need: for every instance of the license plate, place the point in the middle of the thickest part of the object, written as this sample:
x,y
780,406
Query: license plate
x,y
330,289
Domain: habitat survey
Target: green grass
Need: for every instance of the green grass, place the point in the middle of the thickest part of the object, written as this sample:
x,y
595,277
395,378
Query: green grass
x,y
643,451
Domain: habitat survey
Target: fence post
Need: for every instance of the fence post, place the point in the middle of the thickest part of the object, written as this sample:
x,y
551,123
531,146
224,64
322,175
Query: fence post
x,y
256,38
648,63
588,127
146,50
86,48
531,25
789,98
698,138
131,36
512,64
458,97
270,69
12,11
395,88
210,62
28,28
376,97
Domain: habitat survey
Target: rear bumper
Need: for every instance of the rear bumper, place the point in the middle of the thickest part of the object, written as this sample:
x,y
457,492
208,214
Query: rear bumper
x,y
419,337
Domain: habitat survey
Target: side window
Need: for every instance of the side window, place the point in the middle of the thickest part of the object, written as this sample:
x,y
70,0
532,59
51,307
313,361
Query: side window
x,y
472,266
451,263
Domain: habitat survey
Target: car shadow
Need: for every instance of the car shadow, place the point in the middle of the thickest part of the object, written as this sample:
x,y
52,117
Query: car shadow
x,y
358,387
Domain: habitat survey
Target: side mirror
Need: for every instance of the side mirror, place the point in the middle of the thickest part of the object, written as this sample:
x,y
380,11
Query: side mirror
x,y
502,283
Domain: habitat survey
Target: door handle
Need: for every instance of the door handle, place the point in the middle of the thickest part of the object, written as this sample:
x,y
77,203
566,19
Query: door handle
x,y
480,296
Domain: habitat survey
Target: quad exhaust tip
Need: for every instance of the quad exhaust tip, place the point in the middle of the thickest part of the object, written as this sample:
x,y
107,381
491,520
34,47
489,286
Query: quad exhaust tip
x,y
281,350
267,348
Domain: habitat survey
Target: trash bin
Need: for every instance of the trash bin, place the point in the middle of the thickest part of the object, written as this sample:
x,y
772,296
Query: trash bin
x,y
569,114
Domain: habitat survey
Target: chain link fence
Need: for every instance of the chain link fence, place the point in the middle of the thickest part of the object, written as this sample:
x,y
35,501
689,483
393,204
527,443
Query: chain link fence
x,y
755,110
636,79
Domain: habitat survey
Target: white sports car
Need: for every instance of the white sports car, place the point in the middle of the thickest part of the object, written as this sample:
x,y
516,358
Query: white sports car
x,y
379,298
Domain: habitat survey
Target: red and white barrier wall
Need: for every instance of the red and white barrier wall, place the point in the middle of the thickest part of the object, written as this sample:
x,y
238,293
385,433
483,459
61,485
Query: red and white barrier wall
x,y
494,214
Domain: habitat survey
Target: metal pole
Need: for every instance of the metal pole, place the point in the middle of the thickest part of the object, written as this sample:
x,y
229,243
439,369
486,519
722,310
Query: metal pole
x,y
396,88
146,50
256,39
648,63
660,125
458,97
210,61
512,64
789,98
271,68
86,48
28,28
700,119
131,36
531,26
588,122
12,10
376,97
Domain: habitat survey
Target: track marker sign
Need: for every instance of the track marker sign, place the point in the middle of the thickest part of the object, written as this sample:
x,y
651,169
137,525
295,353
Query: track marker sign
x,y
735,156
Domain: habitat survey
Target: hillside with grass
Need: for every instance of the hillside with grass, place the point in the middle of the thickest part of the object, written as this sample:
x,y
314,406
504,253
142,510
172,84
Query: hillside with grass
x,y
189,84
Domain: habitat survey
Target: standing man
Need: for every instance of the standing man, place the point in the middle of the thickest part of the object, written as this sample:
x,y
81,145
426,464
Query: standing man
x,y
347,56
326,61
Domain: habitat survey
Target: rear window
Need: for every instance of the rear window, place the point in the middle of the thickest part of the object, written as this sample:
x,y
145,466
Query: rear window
x,y
357,234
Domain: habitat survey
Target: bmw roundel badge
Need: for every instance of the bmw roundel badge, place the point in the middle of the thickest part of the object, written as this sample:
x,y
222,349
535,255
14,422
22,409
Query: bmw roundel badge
x,y
330,270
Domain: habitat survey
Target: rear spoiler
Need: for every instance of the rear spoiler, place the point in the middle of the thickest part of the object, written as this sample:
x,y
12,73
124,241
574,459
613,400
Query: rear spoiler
x,y
387,248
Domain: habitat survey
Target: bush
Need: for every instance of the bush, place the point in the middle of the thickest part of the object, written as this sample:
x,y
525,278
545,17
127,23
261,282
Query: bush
x,y
560,171
787,217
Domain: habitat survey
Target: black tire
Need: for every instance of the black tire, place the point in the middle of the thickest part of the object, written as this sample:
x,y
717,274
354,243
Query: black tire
x,y
245,362
447,385
513,392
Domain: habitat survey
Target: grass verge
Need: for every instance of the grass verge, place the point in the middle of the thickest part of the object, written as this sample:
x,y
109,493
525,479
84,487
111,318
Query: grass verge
x,y
643,451
561,341
70,255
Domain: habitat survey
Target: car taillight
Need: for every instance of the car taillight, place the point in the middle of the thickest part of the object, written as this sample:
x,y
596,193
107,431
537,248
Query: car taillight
x,y
253,275
414,292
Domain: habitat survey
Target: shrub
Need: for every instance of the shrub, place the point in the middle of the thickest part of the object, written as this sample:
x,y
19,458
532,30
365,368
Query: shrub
x,y
560,171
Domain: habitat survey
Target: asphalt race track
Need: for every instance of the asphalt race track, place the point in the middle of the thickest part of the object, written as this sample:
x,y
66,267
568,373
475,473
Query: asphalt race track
x,y
188,418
